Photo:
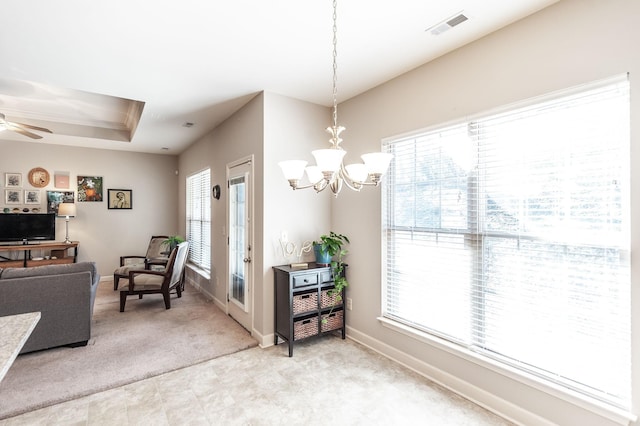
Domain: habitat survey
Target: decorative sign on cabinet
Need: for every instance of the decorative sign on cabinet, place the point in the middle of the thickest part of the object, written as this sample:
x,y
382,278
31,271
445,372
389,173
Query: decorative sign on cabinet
x,y
304,306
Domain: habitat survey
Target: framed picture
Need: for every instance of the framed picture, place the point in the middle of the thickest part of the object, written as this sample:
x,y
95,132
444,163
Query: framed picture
x,y
32,196
119,198
13,180
61,179
89,188
54,198
12,196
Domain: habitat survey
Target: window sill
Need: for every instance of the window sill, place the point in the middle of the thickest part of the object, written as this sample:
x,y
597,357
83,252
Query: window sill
x,y
202,272
593,405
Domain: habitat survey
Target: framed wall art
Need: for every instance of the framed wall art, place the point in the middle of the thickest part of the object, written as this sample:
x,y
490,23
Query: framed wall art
x,y
13,180
38,177
32,196
54,198
89,188
119,198
12,196
61,179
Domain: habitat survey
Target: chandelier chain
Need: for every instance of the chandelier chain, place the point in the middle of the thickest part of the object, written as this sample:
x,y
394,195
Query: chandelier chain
x,y
331,172
335,64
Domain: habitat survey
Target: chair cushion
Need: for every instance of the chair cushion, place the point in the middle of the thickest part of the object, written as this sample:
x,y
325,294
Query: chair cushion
x,y
131,260
124,270
156,247
143,282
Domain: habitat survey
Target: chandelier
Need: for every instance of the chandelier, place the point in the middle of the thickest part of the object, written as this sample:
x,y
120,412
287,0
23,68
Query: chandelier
x,y
330,171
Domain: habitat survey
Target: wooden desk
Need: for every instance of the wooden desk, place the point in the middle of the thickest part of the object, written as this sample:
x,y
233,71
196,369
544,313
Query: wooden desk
x,y
58,250
14,332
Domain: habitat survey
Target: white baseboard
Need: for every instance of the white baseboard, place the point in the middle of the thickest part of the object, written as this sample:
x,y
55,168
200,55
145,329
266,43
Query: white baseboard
x,y
496,405
264,341
206,294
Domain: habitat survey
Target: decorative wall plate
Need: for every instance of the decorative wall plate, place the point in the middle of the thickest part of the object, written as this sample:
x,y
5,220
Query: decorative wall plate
x,y
38,177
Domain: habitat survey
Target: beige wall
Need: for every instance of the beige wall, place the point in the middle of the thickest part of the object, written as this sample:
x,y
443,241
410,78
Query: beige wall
x,y
290,129
104,234
570,43
237,137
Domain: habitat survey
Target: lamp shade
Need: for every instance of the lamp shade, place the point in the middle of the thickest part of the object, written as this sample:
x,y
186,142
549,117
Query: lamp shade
x,y
328,160
377,162
293,169
357,172
314,174
67,209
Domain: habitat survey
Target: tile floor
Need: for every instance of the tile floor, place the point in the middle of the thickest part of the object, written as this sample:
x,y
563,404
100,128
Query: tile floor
x,y
328,381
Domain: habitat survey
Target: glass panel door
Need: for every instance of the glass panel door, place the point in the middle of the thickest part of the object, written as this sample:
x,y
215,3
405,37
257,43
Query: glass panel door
x,y
239,280
238,245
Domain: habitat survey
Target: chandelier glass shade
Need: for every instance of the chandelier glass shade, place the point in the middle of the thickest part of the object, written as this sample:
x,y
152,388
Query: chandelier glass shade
x,y
330,171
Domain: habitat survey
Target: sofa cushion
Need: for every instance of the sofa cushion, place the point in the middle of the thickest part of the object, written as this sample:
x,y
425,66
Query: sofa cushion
x,y
64,297
67,268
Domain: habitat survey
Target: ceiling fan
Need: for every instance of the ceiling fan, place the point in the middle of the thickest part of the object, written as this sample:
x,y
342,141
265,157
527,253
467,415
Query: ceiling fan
x,y
21,128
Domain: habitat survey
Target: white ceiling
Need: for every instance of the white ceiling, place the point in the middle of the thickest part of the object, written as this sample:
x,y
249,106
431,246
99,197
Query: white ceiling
x,y
199,61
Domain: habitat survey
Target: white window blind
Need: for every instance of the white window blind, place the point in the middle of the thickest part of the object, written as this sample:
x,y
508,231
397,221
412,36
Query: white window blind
x,y
509,235
199,218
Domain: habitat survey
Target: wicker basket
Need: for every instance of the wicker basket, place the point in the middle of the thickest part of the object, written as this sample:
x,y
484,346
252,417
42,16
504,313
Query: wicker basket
x,y
305,302
332,321
305,327
329,298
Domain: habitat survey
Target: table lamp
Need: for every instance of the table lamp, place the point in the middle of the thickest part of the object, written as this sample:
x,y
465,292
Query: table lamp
x,y
67,210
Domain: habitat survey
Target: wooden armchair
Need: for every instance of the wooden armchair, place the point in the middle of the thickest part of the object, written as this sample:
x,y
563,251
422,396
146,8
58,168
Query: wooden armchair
x,y
155,259
140,282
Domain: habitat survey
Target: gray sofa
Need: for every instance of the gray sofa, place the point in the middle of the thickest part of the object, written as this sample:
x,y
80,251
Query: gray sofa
x,y
64,294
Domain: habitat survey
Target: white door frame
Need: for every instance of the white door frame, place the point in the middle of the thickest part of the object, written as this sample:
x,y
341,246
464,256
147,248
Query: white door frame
x,y
246,317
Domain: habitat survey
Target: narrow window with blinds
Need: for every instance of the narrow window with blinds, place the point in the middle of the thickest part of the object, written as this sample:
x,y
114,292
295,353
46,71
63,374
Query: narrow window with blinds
x,y
199,218
509,235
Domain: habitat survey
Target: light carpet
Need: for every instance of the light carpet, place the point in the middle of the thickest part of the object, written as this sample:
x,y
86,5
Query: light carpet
x,y
144,341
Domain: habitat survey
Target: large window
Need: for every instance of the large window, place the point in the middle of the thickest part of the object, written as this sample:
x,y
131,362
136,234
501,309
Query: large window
x,y
199,218
509,235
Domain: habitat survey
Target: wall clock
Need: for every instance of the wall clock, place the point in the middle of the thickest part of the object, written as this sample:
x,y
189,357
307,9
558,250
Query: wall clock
x,y
216,192
38,177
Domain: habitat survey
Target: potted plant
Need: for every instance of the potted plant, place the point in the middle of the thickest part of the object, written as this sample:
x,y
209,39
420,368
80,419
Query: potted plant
x,y
326,249
173,241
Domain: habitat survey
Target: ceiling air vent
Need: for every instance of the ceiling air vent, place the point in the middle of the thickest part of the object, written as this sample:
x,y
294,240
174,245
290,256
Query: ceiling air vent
x,y
447,24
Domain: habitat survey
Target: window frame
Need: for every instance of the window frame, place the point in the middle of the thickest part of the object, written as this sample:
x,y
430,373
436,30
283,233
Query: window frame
x,y
442,342
199,248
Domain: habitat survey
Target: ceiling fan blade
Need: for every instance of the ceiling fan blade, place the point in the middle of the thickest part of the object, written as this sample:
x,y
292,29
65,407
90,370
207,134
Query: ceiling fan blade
x,y
22,128
17,129
29,126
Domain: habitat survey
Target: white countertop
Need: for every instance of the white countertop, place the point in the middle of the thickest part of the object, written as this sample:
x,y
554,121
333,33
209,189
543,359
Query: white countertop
x,y
14,332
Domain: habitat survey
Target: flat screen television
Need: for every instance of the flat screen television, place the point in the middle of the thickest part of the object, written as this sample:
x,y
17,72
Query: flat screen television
x,y
27,227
